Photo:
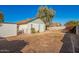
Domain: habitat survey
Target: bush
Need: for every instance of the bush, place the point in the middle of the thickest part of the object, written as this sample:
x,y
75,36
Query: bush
x,y
72,23
33,30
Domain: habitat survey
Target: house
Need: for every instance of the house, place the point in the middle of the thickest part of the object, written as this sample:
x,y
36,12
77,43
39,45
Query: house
x,y
27,26
56,26
8,29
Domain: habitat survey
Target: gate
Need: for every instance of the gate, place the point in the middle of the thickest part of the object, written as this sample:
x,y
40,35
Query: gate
x,y
77,30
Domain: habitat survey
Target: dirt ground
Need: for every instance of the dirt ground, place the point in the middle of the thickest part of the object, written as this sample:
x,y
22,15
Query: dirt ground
x,y
46,42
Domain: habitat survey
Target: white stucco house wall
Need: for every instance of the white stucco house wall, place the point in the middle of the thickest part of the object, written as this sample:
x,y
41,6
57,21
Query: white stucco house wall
x,y
36,23
58,28
8,29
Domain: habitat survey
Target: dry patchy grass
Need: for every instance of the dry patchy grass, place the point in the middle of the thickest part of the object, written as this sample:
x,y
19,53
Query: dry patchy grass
x,y
41,42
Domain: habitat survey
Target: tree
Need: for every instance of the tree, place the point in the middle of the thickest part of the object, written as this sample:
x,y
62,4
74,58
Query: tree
x,y
1,17
72,23
46,15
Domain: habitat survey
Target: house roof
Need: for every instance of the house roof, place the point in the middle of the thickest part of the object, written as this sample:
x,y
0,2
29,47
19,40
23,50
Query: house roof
x,y
6,23
69,27
26,21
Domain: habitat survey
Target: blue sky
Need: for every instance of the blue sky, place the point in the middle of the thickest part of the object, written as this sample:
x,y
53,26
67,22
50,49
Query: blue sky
x,y
16,13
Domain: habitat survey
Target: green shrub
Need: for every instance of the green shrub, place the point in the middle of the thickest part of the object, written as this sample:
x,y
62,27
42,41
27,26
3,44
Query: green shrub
x,y
33,30
1,21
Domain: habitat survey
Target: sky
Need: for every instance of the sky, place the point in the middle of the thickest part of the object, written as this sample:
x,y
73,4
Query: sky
x,y
16,13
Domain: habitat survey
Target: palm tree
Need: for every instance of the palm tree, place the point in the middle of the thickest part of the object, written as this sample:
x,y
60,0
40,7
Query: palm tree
x,y
46,15
1,17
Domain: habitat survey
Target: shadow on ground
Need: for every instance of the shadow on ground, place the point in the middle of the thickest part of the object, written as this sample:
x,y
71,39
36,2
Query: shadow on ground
x,y
14,46
70,43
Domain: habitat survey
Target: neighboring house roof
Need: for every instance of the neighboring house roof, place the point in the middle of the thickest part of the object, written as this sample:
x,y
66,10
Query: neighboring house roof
x,y
69,27
34,20
7,23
